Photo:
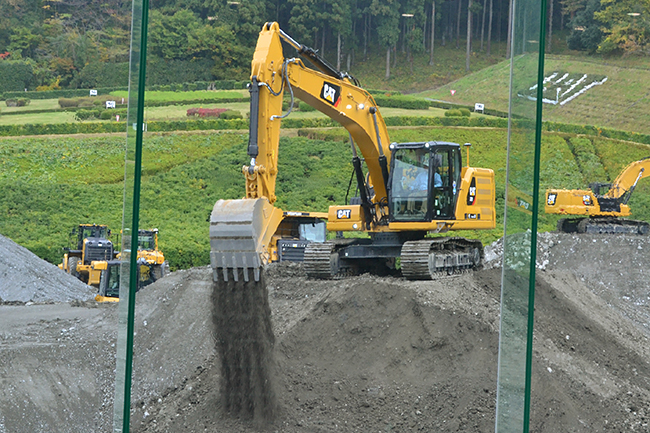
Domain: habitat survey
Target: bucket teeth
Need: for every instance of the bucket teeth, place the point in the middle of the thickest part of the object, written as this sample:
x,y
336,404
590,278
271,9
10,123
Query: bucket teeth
x,y
240,231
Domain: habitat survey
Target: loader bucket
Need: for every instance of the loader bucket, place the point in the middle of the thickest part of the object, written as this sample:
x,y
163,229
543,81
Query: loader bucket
x,y
240,233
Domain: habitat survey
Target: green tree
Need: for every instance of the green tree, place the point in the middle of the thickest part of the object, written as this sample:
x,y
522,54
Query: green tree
x,y
22,39
626,26
243,18
183,36
387,13
585,30
305,21
169,36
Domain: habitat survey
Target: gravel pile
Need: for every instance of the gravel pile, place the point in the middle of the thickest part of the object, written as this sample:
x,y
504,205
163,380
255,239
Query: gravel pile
x,y
24,277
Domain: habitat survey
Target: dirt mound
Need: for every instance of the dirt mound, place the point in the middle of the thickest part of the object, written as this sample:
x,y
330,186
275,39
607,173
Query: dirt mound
x,y
24,277
359,354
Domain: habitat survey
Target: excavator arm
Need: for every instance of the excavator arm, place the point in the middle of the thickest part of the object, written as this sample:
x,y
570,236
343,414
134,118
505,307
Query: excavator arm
x,y
332,92
242,231
625,183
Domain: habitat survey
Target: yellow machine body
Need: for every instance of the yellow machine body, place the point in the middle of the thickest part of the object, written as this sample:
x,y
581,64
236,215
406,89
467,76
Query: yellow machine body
x,y
245,233
594,212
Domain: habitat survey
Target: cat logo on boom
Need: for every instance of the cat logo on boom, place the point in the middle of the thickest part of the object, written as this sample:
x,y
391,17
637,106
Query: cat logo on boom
x,y
331,93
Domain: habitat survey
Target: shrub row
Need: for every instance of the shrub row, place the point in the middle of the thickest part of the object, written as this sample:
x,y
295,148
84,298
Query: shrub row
x,y
18,102
76,93
82,115
400,101
221,113
449,106
55,94
208,124
195,101
458,112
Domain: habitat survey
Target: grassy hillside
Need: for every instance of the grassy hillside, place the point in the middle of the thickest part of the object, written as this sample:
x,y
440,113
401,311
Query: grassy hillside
x,y
47,186
622,102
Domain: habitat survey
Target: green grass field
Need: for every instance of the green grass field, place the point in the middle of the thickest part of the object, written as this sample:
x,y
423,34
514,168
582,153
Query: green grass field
x,y
622,102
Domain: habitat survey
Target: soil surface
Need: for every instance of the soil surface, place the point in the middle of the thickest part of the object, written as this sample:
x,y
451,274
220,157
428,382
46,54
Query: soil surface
x,y
353,355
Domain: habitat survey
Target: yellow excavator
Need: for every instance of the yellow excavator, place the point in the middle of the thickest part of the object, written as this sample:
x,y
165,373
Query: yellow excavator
x,y
407,191
601,208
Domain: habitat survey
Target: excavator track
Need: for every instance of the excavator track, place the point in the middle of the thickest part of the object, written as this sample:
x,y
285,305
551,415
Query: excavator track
x,y
603,226
431,259
321,260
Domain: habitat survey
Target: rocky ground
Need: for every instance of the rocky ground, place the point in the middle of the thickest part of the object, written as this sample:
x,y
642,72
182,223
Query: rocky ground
x,y
354,355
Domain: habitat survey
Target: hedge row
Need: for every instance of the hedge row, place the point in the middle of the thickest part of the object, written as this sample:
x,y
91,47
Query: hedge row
x,y
55,94
75,93
223,124
399,101
195,101
450,106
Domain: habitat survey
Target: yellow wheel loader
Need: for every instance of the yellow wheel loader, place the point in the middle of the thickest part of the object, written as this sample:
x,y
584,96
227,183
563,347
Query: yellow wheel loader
x,y
601,208
150,255
406,190
91,244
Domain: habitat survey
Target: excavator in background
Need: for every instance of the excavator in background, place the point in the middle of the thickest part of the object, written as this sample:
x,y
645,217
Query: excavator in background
x,y
601,208
407,191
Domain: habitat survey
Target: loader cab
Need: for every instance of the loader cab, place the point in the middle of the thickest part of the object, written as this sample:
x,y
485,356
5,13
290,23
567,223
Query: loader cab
x,y
148,240
109,283
424,181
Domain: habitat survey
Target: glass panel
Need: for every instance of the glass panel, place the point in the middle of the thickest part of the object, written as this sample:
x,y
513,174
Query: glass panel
x,y
146,240
315,232
132,172
522,184
442,189
410,184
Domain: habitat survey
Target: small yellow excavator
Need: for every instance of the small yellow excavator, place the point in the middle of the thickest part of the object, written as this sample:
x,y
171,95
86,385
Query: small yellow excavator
x,y
407,190
601,208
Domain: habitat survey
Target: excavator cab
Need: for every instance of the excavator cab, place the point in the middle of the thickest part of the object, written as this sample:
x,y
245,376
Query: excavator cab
x,y
424,181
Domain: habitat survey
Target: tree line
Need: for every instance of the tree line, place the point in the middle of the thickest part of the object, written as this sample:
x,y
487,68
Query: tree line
x,y
68,43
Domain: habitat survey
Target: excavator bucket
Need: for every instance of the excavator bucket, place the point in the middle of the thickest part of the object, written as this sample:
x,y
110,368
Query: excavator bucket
x,y
240,233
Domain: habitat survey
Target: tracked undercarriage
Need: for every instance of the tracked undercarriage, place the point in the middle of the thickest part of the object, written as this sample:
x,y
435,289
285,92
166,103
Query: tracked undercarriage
x,y
603,225
426,259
